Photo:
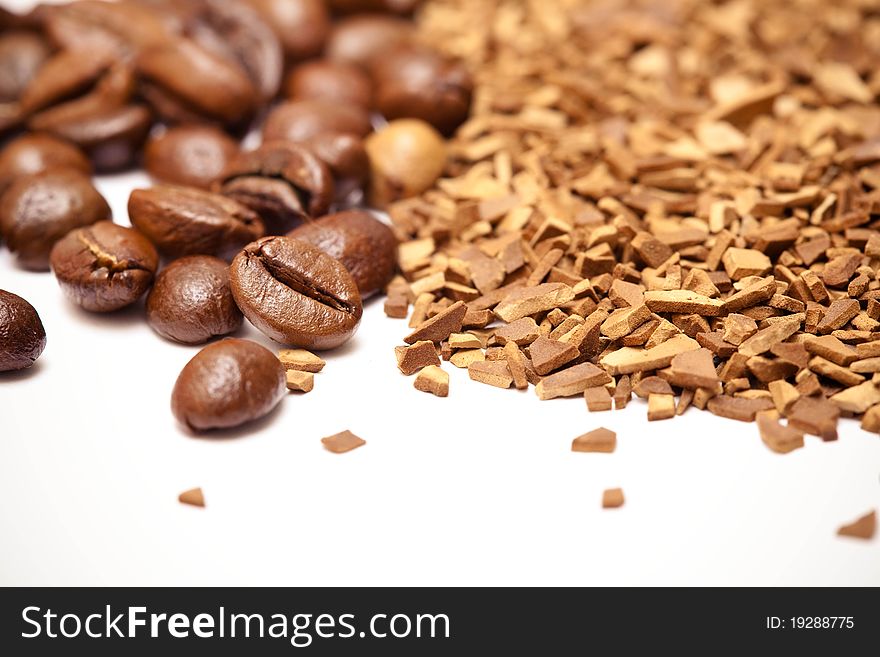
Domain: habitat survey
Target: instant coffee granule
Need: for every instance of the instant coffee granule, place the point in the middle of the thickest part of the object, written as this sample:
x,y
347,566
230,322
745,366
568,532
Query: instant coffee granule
x,y
677,198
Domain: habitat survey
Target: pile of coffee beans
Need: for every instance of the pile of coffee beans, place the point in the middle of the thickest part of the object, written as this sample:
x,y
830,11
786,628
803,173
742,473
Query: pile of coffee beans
x,y
351,109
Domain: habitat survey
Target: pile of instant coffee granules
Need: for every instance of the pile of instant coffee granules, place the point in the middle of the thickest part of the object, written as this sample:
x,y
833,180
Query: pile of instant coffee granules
x,y
684,194
676,199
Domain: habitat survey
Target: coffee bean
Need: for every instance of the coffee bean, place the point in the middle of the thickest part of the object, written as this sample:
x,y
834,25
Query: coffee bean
x,y
282,182
299,120
358,39
111,136
38,210
346,157
191,301
406,158
417,82
227,384
123,28
104,267
35,153
337,82
240,34
363,244
22,54
295,293
190,155
185,82
67,75
188,221
22,336
302,25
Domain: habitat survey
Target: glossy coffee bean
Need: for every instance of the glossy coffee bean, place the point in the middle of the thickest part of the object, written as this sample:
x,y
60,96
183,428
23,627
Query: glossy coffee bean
x,y
337,82
111,136
190,155
22,54
35,153
123,27
239,33
295,293
282,182
184,221
191,301
227,384
38,210
345,156
363,244
302,25
22,336
406,158
420,83
104,267
185,82
359,39
299,120
65,76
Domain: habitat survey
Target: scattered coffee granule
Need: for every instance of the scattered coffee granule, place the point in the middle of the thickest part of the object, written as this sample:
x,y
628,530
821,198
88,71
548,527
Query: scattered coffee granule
x,y
598,399
342,442
411,359
517,365
440,326
779,438
434,380
193,497
301,359
864,528
612,498
598,440
465,357
300,381
660,407
493,373
548,355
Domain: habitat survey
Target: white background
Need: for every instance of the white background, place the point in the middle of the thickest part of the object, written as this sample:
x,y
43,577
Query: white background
x,y
480,488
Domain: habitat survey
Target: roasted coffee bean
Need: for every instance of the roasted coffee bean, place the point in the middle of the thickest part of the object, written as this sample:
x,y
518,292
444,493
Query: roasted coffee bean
x,y
359,39
358,6
67,75
299,120
295,293
38,210
191,155
239,33
337,82
363,244
282,182
406,158
22,336
420,83
346,158
104,267
111,136
35,153
302,25
22,54
123,27
188,221
101,122
185,82
191,301
227,384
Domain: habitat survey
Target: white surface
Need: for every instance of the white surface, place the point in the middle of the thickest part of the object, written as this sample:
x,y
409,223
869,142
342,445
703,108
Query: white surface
x,y
479,488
